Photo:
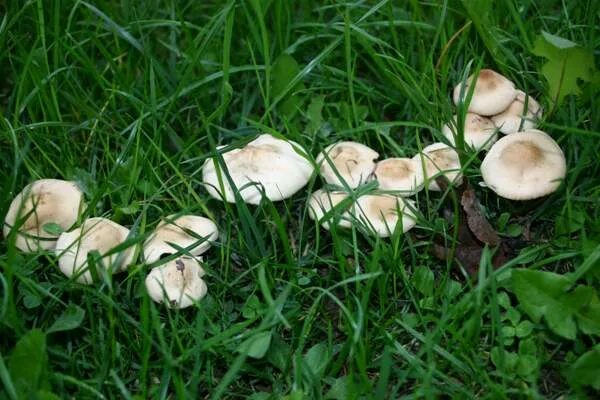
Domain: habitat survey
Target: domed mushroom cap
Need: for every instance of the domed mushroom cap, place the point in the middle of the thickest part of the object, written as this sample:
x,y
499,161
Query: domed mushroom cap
x,y
179,282
381,213
42,202
493,93
404,175
322,202
510,120
354,162
480,132
183,232
524,166
439,159
95,234
272,163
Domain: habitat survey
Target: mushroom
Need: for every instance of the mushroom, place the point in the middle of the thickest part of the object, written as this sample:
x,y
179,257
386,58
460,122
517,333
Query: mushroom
x,y
321,204
175,232
268,162
95,234
404,175
524,166
179,282
479,132
42,202
349,162
381,213
493,93
439,159
515,118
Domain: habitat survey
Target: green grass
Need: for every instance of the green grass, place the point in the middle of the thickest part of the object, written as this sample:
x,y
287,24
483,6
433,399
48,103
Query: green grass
x,y
129,99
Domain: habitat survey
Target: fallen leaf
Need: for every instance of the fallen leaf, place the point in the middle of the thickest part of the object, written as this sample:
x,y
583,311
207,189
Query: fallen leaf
x,y
477,222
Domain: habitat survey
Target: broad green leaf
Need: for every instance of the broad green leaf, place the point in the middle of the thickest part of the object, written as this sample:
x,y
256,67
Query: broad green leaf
x,y
524,329
526,365
423,280
256,346
343,388
46,395
27,364
586,370
279,354
316,359
506,364
71,318
285,69
53,228
251,308
589,316
314,114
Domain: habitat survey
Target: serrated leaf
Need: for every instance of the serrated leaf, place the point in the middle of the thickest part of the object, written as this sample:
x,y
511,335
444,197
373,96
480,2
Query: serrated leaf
x,y
256,346
586,370
71,318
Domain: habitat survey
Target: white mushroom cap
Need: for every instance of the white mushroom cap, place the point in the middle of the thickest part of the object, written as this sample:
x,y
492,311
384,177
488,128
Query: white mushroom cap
x,y
438,158
480,132
493,93
381,213
511,119
524,166
354,162
404,175
272,163
42,202
322,202
95,234
177,230
179,282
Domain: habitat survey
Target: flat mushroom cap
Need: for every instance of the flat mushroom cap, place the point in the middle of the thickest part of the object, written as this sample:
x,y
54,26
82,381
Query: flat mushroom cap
x,y
272,163
438,158
493,93
179,282
524,166
404,175
382,212
480,132
322,202
510,120
177,230
41,202
95,234
354,162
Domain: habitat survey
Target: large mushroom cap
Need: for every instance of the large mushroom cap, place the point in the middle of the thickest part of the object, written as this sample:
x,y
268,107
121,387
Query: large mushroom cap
x,y
180,232
404,175
493,93
480,132
353,162
268,162
439,159
524,166
320,205
381,213
179,282
515,118
95,234
43,202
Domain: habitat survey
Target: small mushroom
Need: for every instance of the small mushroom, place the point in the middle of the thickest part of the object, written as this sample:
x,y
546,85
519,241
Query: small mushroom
x,y
322,202
352,162
268,162
178,283
479,132
42,202
182,232
404,175
95,234
493,93
439,159
381,213
524,166
515,118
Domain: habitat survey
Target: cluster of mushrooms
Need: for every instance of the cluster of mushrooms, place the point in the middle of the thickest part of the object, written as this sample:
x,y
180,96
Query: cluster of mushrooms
x,y
524,164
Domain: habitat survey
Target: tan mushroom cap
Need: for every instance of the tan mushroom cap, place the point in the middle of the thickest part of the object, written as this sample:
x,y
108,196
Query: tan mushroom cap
x,y
178,231
493,93
524,166
439,159
404,175
381,213
354,162
272,163
179,282
322,202
480,132
95,234
515,118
